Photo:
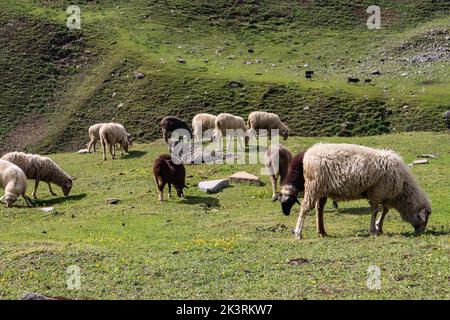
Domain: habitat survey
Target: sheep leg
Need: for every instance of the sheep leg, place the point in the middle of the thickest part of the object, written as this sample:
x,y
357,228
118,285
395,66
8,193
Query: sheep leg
x,y
111,152
27,201
305,208
319,217
170,190
160,188
273,180
379,223
372,228
36,185
50,189
104,149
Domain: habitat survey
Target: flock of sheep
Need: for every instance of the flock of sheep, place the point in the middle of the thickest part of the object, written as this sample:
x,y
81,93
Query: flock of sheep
x,y
341,172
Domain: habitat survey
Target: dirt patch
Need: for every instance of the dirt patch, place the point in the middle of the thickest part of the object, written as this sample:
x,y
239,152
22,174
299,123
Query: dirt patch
x,y
30,132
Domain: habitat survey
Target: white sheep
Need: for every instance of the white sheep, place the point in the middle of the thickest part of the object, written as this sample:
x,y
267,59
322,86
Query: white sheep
x,y
41,168
14,182
277,159
349,172
258,120
94,135
201,123
112,134
235,126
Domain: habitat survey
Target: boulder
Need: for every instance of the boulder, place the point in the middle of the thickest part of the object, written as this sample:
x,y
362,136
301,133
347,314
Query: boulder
x,y
245,177
213,186
417,162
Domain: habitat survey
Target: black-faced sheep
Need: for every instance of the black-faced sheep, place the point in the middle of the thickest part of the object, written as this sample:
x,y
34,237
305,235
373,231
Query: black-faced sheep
x,y
41,168
230,126
258,120
349,172
171,124
14,182
201,123
165,171
277,161
112,134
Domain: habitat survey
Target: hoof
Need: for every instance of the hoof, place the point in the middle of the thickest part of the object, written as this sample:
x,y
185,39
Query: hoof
x,y
323,234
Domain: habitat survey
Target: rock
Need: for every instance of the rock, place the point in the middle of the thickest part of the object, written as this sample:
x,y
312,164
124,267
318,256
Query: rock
x,y
139,75
251,50
37,296
213,186
112,201
375,73
257,61
427,155
235,84
47,209
181,61
297,261
245,177
417,162
83,151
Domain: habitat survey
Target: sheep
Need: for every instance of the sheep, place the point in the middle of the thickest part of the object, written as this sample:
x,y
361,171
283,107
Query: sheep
x,y
170,124
277,161
258,120
41,168
94,136
201,123
14,182
165,171
227,121
112,134
349,172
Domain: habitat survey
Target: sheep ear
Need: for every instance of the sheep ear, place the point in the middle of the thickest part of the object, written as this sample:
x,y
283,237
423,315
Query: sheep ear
x,y
423,215
73,178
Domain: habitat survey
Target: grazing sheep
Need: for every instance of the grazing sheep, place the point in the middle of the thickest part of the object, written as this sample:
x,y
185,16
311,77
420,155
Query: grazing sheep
x,y
165,171
349,172
14,182
201,123
112,134
258,120
227,121
170,124
94,136
277,163
41,168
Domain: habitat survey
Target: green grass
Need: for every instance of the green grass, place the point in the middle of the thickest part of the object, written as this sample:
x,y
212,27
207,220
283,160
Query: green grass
x,y
234,244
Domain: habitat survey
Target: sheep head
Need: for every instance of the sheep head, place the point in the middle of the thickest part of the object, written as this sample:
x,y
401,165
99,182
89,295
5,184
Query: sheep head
x,y
287,202
419,220
67,186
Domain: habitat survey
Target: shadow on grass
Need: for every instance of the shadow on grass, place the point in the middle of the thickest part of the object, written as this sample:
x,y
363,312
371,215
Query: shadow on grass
x,y
353,211
209,202
49,202
134,154
428,232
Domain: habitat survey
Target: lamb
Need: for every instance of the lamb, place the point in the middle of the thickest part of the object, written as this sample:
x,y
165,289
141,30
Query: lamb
x,y
349,172
41,168
94,135
14,181
227,121
277,160
201,123
165,171
112,134
258,120
170,124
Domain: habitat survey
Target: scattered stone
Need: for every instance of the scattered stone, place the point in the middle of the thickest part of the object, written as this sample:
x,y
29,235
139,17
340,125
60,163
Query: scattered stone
x,y
251,50
47,209
181,61
418,162
258,61
213,186
112,201
175,252
245,177
376,73
427,155
37,296
139,75
83,151
232,57
297,261
235,84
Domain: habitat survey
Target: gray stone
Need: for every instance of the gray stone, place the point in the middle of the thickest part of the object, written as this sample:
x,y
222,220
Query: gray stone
x,y
213,186
427,155
417,162
245,177
83,151
47,209
112,201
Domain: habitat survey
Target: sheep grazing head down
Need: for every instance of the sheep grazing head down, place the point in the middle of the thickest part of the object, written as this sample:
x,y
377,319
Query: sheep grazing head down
x,y
130,139
419,220
10,198
287,202
67,186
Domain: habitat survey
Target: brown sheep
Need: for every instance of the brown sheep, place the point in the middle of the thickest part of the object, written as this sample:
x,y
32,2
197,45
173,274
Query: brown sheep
x,y
165,171
277,164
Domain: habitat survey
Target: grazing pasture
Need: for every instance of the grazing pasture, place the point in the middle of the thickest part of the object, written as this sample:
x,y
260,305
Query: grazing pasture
x,y
234,244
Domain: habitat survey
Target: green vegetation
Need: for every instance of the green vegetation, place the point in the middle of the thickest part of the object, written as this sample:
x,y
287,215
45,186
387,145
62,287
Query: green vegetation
x,y
58,82
234,244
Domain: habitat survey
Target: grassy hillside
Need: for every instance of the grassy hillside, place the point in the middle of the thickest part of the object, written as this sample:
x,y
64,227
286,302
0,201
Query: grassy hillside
x,y
55,82
230,245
